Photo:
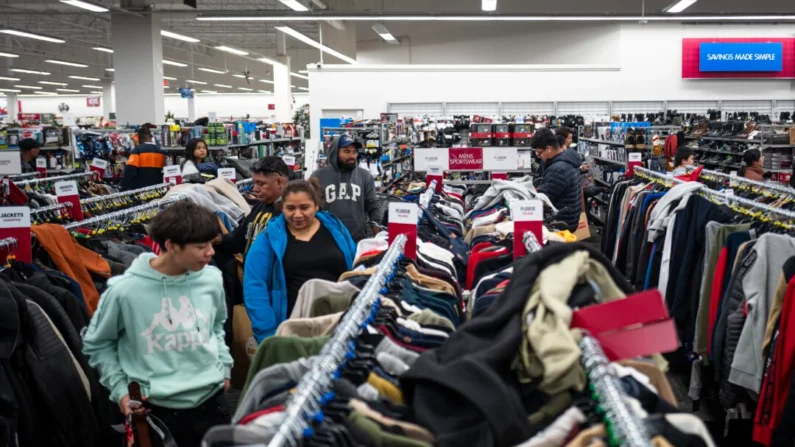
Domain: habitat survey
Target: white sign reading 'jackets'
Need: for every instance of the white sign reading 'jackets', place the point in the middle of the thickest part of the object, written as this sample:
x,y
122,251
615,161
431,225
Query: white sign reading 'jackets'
x,y
177,329
343,191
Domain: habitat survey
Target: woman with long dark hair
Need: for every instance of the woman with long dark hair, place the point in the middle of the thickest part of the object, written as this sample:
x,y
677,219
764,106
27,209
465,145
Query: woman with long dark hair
x,y
754,165
195,153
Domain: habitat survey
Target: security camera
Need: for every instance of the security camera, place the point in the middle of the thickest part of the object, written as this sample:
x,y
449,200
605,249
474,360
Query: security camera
x,y
318,65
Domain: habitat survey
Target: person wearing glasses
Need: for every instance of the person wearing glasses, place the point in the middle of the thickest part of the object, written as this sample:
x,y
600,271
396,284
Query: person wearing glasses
x,y
561,181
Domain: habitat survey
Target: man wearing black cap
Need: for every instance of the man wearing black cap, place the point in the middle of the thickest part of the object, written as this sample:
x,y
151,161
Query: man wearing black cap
x,y
29,150
348,190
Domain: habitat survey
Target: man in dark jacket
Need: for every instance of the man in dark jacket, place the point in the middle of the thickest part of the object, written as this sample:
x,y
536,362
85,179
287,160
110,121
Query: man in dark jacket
x,y
348,190
561,182
145,163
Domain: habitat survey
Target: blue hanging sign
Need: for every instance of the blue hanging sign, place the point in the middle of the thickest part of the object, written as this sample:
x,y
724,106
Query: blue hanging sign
x,y
741,57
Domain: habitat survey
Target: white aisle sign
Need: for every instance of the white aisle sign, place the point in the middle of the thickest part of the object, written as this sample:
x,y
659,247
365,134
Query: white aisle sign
x,y
227,174
10,163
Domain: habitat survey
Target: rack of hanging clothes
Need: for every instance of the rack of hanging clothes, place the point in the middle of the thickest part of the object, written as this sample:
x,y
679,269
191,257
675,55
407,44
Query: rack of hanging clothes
x,y
20,177
722,263
753,187
59,178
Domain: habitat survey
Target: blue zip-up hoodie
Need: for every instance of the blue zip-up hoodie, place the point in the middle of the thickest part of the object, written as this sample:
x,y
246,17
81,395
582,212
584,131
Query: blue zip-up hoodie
x,y
264,284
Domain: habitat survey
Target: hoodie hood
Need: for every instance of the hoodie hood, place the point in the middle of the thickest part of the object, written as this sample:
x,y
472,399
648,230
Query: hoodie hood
x,y
332,156
142,269
567,156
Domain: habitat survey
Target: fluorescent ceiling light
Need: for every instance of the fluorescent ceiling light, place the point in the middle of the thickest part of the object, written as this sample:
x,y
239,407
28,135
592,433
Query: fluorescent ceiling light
x,y
46,93
299,75
488,5
68,90
223,85
5,78
32,36
35,72
106,50
210,91
8,54
384,33
191,81
84,78
263,91
181,37
70,64
169,78
96,93
32,87
231,50
679,6
176,64
110,69
303,88
246,89
303,71
294,5
292,86
211,70
92,86
269,61
318,45
62,84
266,81
10,90
495,18
166,86
241,76
93,7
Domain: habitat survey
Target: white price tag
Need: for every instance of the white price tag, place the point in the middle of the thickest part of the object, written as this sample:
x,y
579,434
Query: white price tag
x,y
435,170
100,163
728,192
403,213
10,163
227,174
289,160
66,188
635,156
41,163
733,174
15,217
527,211
171,171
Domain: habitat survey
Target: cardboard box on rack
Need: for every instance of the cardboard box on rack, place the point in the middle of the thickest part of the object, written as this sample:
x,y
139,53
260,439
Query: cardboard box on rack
x,y
792,135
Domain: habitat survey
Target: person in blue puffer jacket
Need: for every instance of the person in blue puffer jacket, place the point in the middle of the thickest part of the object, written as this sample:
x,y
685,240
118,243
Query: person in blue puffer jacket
x,y
303,243
561,182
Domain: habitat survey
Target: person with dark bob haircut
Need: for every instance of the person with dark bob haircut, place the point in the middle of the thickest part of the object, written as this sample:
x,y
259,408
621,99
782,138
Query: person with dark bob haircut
x,y
754,165
303,243
195,153
684,158
161,324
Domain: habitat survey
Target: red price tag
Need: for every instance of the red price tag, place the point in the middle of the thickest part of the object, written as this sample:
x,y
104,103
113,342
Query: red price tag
x,y
634,162
434,173
67,192
172,175
41,167
403,218
499,176
527,216
99,166
227,174
15,223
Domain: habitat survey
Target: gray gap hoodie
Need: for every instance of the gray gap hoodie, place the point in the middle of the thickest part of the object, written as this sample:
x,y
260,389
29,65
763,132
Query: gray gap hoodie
x,y
350,196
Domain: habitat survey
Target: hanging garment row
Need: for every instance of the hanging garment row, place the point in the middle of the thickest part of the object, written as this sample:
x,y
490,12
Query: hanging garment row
x,y
46,306
722,263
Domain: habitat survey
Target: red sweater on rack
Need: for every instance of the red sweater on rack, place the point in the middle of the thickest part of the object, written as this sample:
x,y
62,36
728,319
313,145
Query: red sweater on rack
x,y
775,385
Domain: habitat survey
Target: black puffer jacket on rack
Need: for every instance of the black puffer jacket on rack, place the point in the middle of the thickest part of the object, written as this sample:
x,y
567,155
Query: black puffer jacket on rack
x,y
471,376
561,183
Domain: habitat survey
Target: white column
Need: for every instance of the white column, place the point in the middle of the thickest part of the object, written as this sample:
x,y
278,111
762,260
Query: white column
x,y
107,98
11,107
282,93
192,108
138,64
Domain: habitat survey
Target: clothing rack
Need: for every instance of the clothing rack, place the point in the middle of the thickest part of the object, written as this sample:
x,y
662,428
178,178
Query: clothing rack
x,y
244,182
305,404
27,174
9,242
56,179
425,198
780,188
55,207
721,197
124,213
124,193
624,427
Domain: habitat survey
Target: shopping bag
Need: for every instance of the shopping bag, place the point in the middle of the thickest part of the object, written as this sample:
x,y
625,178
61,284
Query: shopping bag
x,y
241,332
583,230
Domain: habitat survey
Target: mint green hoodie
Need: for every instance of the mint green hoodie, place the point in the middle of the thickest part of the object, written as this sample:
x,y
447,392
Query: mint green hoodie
x,y
164,332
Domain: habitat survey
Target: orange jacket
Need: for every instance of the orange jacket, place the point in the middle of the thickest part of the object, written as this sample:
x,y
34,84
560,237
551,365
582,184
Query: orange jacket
x,y
73,259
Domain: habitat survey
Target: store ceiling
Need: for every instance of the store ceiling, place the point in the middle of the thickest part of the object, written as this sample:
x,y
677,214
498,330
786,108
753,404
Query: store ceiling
x,y
83,30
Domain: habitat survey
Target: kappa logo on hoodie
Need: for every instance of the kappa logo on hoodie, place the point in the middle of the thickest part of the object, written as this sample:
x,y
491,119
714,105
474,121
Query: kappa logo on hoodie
x,y
177,328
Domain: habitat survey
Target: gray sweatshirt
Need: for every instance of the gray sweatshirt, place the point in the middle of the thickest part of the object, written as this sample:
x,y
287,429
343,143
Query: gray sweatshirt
x,y
350,196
